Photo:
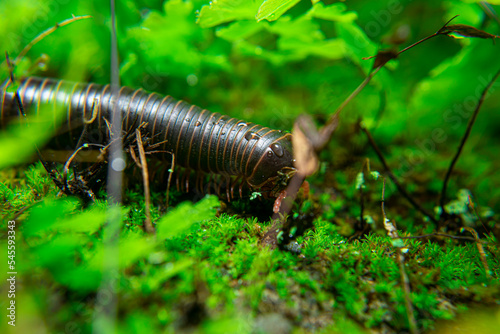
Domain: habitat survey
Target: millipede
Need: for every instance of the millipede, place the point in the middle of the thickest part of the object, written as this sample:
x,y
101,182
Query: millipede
x,y
241,154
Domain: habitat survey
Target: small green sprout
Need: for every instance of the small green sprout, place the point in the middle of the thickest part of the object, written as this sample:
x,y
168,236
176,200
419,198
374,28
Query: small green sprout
x,y
368,219
360,181
254,195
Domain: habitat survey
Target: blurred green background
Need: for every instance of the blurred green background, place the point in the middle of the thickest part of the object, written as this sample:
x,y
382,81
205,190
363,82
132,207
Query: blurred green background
x,y
269,71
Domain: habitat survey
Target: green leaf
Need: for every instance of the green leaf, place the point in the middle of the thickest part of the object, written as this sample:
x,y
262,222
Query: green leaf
x,y
335,12
42,218
5,192
168,271
223,11
302,28
271,10
176,25
276,58
133,248
358,45
80,278
239,30
60,249
184,215
332,49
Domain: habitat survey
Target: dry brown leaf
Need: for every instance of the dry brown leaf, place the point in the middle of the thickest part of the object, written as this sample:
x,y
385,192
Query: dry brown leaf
x,y
306,160
467,31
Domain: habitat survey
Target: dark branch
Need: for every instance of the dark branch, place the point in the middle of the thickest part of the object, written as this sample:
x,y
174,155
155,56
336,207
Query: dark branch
x,y
391,175
462,143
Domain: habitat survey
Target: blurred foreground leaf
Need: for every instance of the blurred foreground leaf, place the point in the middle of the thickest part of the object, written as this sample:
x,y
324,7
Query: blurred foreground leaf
x,y
18,143
184,215
239,30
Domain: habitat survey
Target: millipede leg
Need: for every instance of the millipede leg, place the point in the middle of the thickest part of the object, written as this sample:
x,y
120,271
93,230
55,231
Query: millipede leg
x,y
187,174
277,202
241,189
177,183
199,182
233,185
228,185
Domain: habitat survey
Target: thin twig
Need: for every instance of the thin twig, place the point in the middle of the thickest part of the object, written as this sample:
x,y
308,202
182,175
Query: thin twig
x,y
323,136
470,124
105,317
134,157
48,32
437,234
362,222
439,32
169,180
391,175
292,190
335,117
278,218
356,91
405,281
407,292
148,226
480,248
390,228
53,174
331,125
378,68
472,208
71,158
326,132
12,80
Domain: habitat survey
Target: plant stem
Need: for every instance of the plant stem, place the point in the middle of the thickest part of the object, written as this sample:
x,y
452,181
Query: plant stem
x,y
470,124
391,175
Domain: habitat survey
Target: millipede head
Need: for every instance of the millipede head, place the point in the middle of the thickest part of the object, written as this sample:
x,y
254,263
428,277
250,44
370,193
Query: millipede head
x,y
274,168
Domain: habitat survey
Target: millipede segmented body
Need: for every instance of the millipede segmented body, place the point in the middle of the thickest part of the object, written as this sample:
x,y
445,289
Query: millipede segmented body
x,y
201,141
